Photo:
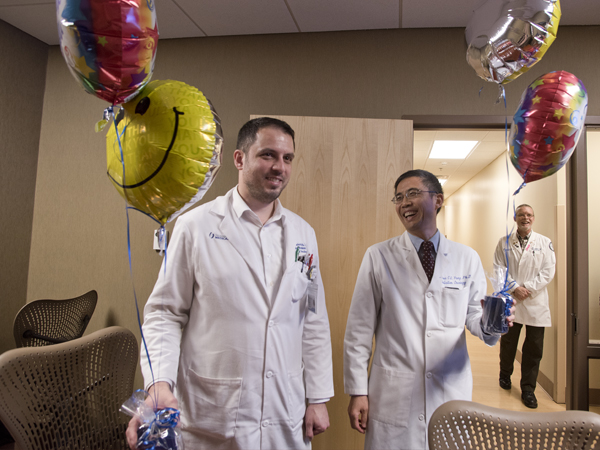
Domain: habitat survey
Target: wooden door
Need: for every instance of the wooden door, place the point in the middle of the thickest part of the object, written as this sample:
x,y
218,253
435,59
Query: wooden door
x,y
342,183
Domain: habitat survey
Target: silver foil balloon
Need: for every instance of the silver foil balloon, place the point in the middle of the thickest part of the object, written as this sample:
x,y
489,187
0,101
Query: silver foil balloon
x,y
506,37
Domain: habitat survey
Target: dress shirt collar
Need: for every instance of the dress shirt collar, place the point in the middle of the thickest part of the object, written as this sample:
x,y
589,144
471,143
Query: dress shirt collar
x,y
523,240
241,209
417,241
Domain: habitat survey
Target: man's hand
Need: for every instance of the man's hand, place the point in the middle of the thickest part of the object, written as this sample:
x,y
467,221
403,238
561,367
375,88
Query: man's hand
x,y
510,319
316,419
358,411
520,293
166,399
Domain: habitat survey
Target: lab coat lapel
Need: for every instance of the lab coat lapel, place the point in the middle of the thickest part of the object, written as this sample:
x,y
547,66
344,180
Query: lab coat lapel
x,y
290,238
527,252
412,259
515,247
231,227
442,260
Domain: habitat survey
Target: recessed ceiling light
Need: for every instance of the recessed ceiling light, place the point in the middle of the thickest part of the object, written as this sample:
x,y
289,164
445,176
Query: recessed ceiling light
x,y
451,149
442,180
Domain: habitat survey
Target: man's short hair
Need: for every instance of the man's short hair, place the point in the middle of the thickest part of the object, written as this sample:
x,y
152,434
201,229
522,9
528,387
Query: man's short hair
x,y
523,205
429,180
248,132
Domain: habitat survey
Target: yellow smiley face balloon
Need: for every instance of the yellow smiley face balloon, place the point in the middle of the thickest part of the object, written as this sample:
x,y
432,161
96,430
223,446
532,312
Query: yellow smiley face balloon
x,y
171,141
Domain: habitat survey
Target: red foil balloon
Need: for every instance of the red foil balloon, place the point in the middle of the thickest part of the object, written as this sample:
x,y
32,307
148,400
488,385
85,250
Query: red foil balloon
x,y
109,45
547,125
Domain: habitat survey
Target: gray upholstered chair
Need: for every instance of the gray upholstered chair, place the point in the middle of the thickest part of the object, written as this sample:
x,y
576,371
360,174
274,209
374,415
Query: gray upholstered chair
x,y
67,396
46,322
469,425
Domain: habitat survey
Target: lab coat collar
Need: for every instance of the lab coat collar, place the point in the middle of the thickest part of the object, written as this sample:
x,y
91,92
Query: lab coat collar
x,y
417,241
412,257
514,239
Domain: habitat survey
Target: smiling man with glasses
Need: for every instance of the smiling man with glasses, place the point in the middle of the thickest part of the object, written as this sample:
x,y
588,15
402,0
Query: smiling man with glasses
x,y
530,259
415,294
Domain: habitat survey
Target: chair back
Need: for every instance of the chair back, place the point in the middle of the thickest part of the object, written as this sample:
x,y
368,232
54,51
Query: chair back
x,y
469,425
46,322
67,396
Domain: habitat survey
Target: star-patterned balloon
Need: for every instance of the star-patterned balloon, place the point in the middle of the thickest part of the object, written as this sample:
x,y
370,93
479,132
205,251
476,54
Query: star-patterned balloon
x,y
547,125
109,45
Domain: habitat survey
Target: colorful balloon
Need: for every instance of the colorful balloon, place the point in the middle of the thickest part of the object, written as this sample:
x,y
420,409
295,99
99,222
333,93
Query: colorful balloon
x,y
506,37
547,125
171,142
109,45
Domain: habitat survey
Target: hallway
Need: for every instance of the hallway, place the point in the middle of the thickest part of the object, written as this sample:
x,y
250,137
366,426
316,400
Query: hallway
x,y
485,365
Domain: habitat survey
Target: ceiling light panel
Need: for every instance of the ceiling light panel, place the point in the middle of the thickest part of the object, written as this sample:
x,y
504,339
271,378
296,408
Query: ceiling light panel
x,y
451,149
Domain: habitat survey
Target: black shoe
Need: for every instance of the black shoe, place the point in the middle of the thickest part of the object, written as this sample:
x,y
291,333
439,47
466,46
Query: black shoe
x,y
505,383
529,399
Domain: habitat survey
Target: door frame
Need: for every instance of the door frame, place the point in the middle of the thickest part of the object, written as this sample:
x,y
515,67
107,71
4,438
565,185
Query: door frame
x,y
578,337
580,351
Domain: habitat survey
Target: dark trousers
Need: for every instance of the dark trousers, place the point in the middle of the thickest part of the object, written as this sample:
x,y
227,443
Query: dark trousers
x,y
532,350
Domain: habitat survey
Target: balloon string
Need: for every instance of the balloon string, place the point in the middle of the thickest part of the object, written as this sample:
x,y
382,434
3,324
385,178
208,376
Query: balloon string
x,y
507,286
137,309
523,184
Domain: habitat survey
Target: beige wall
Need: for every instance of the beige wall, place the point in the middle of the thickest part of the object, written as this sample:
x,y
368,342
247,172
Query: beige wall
x,y
79,232
476,215
22,79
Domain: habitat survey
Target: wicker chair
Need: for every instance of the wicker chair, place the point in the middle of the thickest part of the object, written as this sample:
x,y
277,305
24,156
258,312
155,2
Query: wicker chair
x,y
468,425
67,396
46,322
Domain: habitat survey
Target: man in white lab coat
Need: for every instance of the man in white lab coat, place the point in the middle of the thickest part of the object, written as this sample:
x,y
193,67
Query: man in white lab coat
x,y
531,265
415,293
237,327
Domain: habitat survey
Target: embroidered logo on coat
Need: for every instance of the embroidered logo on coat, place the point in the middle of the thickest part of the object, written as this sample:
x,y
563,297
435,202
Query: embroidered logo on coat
x,y
217,236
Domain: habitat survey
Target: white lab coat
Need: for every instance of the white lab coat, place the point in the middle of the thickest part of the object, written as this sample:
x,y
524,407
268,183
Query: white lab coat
x,y
421,358
242,368
532,268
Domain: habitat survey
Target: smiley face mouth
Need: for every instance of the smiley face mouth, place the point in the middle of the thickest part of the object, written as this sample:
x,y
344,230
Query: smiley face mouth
x,y
162,163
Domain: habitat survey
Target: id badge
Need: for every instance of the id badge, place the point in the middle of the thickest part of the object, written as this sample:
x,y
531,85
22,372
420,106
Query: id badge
x,y
313,289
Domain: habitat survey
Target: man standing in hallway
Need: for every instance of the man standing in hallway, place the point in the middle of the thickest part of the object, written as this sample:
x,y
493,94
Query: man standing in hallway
x,y
531,264
415,293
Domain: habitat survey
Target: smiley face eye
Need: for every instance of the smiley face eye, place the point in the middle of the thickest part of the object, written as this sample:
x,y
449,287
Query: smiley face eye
x,y
142,106
120,116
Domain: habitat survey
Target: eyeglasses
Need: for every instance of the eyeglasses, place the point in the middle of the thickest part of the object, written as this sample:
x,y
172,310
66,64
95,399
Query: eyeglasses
x,y
409,195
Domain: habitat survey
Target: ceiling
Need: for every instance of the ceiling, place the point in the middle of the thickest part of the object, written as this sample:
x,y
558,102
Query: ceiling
x,y
459,171
201,18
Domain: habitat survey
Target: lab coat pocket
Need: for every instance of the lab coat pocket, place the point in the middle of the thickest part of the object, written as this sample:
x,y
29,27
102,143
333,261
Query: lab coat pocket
x,y
296,396
300,286
454,307
390,395
214,404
